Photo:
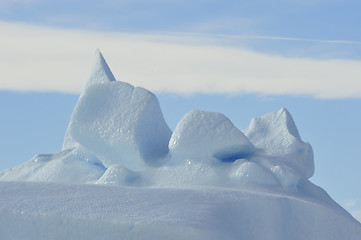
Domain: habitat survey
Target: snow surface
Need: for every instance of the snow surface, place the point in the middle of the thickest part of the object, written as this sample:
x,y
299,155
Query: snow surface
x,y
275,135
201,135
206,180
68,166
58,211
101,73
121,124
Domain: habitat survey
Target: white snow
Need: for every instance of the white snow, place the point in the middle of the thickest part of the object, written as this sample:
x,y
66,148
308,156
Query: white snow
x,y
123,174
115,121
121,124
276,136
57,211
202,135
119,175
251,173
100,74
68,166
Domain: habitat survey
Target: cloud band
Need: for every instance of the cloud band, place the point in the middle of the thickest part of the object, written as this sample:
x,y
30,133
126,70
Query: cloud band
x,y
34,58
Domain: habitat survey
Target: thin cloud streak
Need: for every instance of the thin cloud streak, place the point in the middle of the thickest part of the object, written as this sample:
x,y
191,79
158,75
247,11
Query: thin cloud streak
x,y
224,36
301,39
34,58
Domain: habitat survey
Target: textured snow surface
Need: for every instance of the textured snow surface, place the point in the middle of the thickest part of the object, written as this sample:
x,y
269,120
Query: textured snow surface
x,y
206,180
71,166
57,211
121,124
276,136
100,74
201,135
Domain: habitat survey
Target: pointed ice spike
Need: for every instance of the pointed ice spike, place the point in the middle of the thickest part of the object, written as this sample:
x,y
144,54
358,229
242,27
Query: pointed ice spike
x,y
286,117
101,72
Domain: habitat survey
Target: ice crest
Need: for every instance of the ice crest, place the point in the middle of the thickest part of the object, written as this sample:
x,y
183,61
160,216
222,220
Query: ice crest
x,y
203,135
276,138
101,72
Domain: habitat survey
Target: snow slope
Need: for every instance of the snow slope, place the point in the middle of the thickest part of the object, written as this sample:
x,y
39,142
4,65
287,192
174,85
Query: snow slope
x,y
57,211
123,174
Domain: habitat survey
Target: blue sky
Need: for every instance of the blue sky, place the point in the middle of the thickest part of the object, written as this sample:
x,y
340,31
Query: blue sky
x,y
241,58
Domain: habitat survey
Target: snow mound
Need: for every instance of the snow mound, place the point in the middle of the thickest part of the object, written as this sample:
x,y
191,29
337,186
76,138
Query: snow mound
x,y
68,166
119,175
276,137
204,135
251,173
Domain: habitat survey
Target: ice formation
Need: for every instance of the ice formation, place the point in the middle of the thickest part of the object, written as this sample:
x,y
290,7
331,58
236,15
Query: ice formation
x,y
117,135
206,180
100,74
276,136
202,135
121,124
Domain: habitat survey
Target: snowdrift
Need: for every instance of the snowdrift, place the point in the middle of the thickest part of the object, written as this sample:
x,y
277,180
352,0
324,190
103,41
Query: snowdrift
x,y
205,180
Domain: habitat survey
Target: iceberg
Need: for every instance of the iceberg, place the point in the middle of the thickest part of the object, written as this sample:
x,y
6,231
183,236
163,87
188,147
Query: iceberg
x,y
122,173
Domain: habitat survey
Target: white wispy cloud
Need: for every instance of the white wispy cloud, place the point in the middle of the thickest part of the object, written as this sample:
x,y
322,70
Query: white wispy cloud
x,y
34,58
294,39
